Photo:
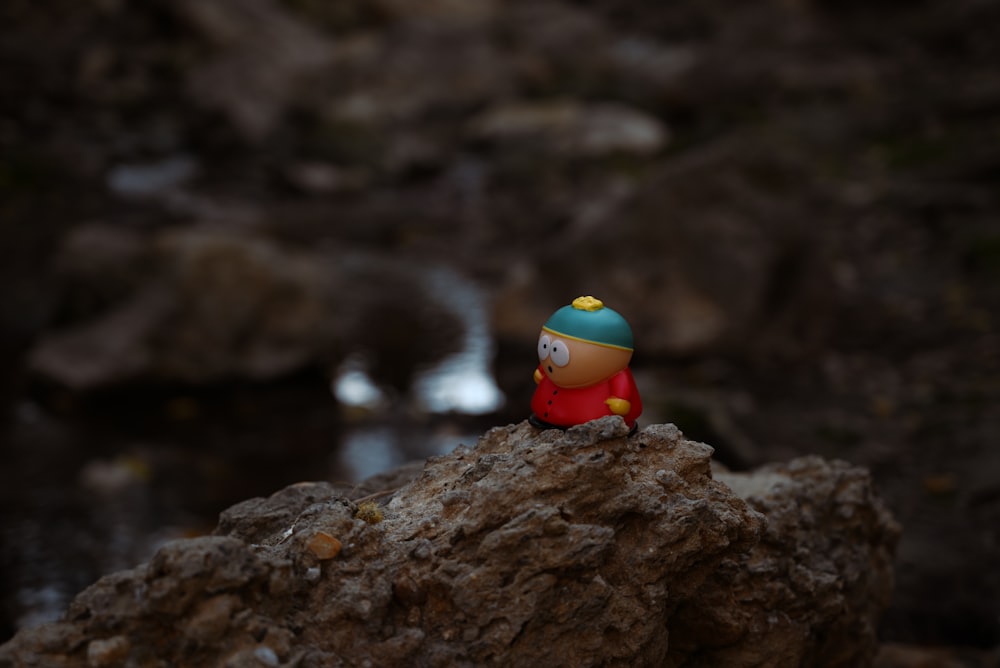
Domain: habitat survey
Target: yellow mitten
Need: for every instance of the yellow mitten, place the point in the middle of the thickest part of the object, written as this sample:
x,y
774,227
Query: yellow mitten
x,y
618,406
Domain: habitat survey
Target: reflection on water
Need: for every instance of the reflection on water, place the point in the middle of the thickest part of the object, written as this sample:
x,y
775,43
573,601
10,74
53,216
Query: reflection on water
x,y
462,383
352,386
366,452
36,599
459,386
373,449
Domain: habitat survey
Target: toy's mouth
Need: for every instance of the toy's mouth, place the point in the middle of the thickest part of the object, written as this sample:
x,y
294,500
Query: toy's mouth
x,y
549,367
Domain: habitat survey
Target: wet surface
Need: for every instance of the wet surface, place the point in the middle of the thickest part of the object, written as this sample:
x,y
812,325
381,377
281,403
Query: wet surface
x,y
96,486
96,482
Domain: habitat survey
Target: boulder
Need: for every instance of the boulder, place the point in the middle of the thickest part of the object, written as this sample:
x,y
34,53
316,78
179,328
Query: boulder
x,y
584,547
202,305
808,593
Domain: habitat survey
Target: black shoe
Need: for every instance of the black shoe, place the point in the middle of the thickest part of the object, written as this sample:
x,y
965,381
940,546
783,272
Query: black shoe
x,y
539,423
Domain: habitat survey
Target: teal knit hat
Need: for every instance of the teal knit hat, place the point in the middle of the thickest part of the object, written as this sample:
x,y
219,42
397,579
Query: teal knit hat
x,y
588,319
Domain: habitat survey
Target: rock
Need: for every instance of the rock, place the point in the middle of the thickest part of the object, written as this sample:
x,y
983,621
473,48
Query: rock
x,y
150,180
208,305
264,58
461,12
319,177
703,253
201,305
110,652
649,65
572,130
899,655
324,546
810,593
385,82
583,547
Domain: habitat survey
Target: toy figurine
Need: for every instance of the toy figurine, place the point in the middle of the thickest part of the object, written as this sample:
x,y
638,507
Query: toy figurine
x,y
584,351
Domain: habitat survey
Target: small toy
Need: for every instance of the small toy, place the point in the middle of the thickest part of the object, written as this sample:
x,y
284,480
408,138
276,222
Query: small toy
x,y
584,351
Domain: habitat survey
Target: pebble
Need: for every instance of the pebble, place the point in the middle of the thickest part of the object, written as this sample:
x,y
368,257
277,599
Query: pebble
x,y
324,546
266,655
108,651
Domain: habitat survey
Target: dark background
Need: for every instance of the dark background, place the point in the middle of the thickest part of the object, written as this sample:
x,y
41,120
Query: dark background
x,y
211,209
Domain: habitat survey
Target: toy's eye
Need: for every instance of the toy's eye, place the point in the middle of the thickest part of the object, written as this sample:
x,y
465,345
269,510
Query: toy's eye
x,y
560,353
544,343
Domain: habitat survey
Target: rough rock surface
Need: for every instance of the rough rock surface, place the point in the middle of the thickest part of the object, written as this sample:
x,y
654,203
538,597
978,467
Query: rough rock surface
x,y
805,594
584,547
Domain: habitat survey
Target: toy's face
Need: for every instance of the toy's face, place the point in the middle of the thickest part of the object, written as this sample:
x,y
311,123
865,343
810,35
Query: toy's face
x,y
573,363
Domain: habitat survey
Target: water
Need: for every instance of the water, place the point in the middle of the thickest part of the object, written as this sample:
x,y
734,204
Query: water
x,y
94,484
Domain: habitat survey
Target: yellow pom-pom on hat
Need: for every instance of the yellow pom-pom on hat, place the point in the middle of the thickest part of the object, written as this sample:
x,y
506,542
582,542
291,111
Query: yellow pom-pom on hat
x,y
588,303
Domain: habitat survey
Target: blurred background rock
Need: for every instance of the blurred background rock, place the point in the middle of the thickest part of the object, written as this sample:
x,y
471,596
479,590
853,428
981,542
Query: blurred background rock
x,y
250,242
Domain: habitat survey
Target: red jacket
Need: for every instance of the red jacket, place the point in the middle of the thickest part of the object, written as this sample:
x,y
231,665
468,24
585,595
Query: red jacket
x,y
565,406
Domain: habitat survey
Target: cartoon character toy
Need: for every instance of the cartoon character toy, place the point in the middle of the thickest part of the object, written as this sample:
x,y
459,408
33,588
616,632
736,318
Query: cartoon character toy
x,y
584,351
